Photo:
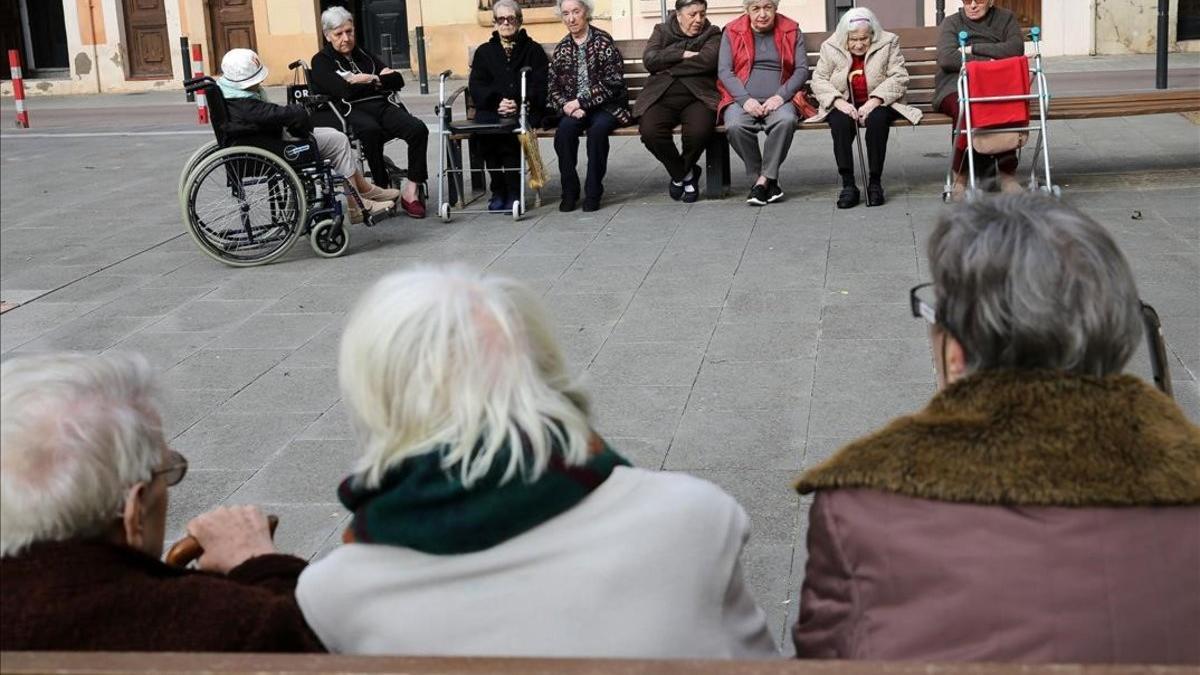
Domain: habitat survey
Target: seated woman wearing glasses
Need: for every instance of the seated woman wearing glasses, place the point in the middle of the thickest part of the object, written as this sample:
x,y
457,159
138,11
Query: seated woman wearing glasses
x,y
84,472
1043,506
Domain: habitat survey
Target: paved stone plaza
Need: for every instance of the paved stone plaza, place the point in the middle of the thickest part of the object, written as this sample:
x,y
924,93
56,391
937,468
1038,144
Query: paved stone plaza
x,y
738,344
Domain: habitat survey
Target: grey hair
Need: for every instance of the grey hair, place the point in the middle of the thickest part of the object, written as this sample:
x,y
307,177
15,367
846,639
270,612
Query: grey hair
x,y
1025,281
334,17
746,3
76,432
856,15
680,4
511,4
589,7
444,358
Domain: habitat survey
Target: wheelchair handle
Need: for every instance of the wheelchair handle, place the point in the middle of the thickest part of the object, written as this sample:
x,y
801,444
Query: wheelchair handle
x,y
197,83
445,73
298,63
962,38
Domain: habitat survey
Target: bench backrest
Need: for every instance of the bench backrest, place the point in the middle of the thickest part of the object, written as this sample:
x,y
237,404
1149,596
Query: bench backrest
x,y
919,46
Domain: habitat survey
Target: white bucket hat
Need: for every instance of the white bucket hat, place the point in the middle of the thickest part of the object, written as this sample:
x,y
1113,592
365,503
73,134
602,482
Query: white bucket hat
x,y
242,68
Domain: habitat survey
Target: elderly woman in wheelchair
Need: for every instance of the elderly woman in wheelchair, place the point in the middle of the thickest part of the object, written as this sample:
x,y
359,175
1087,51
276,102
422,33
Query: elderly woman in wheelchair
x,y
360,85
270,178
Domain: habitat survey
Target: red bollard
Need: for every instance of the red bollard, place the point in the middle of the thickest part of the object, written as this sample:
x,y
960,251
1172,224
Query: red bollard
x,y
14,64
198,71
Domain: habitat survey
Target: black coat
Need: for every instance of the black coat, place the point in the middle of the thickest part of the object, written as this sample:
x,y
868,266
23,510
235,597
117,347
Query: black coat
x,y
327,66
496,76
254,117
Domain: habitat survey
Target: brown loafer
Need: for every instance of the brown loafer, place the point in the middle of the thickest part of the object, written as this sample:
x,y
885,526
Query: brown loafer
x,y
414,209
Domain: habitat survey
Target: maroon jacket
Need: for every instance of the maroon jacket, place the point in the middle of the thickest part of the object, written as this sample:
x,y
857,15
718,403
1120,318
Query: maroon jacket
x,y
1027,516
83,596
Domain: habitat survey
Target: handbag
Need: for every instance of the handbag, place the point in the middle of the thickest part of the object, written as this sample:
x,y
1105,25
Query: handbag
x,y
297,91
805,102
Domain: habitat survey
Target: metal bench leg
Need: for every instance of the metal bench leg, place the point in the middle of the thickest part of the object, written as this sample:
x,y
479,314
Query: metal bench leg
x,y
716,166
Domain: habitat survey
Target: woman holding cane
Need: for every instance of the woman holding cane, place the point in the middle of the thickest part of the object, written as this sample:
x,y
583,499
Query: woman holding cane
x,y
860,80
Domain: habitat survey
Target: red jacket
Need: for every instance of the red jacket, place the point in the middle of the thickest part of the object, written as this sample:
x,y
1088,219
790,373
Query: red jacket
x,y
741,41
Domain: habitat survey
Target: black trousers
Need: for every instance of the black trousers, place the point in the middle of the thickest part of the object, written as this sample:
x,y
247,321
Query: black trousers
x,y
657,127
878,127
376,122
499,152
598,124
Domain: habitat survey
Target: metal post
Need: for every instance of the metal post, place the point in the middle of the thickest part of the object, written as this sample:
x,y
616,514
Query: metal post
x,y
422,68
663,9
186,60
1160,66
385,46
941,12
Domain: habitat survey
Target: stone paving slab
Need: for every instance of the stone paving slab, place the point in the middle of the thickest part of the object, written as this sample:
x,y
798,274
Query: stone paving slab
x,y
739,344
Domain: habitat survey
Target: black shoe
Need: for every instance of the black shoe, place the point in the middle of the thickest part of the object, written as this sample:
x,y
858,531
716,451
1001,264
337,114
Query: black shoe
x,y
875,195
567,203
690,196
758,195
774,192
849,197
590,205
675,190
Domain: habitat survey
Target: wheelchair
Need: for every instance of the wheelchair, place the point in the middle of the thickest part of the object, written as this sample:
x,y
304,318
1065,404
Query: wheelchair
x,y
246,199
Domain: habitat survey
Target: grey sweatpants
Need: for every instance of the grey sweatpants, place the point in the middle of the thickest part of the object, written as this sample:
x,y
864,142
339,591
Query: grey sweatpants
x,y
743,130
335,147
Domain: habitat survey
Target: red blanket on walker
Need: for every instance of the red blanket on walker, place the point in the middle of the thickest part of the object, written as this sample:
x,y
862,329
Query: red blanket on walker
x,y
1002,77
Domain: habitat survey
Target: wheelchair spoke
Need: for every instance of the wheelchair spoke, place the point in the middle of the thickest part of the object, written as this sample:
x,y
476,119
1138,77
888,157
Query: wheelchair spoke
x,y
245,207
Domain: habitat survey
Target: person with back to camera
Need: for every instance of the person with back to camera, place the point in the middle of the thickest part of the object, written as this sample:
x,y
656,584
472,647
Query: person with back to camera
x,y
761,67
587,94
495,85
250,113
84,472
994,33
490,519
1043,507
360,84
681,56
861,80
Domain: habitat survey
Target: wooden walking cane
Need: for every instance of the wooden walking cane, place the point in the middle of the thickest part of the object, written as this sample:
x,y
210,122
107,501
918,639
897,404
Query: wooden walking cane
x,y
862,159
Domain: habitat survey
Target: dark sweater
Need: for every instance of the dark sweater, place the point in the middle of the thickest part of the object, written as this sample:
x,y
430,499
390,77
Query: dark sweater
x,y
93,596
496,75
327,80
253,117
996,36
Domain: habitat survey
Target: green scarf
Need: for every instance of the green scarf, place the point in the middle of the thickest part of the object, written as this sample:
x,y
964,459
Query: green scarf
x,y
422,506
229,91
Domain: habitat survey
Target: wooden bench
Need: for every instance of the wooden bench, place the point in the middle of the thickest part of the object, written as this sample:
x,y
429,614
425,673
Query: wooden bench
x,y
96,663
919,46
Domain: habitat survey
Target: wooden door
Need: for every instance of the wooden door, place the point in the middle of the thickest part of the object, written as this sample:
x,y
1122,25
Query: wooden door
x,y
146,35
1029,12
231,25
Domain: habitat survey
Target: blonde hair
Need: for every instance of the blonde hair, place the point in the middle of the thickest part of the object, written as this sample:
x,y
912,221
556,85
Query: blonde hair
x,y
856,15
447,357
77,431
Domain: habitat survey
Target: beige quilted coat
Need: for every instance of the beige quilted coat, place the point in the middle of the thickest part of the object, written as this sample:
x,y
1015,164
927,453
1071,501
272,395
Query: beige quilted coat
x,y
887,77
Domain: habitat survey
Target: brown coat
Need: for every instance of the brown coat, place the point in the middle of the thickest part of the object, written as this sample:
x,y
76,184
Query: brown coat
x,y
887,78
84,596
663,57
1022,516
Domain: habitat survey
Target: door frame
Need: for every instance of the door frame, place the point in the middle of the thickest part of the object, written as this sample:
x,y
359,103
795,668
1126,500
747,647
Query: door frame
x,y
832,7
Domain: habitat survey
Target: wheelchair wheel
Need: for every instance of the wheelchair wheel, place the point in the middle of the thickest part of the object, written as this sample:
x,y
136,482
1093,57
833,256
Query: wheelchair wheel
x,y
329,239
190,165
245,206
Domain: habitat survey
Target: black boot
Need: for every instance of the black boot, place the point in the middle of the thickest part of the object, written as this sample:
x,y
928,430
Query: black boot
x,y
875,195
848,198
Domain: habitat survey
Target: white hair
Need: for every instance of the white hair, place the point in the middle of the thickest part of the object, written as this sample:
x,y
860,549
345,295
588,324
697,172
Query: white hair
x,y
854,19
589,7
76,431
450,358
334,17
746,3
511,4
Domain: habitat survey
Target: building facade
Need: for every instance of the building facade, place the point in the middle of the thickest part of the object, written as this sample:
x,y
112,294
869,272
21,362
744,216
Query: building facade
x,y
90,46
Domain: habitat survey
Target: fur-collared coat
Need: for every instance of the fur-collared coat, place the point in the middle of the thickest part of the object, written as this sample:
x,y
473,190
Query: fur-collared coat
x,y
605,77
1021,516
887,78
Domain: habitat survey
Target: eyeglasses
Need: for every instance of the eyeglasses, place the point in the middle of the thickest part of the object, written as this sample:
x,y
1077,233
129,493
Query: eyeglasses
x,y
509,20
1159,365
173,470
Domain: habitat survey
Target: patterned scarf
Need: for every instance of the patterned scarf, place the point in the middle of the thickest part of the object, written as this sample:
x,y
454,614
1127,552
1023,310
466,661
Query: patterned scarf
x,y
420,505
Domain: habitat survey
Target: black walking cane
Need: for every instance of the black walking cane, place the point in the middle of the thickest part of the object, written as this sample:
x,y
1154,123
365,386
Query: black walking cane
x,y
862,159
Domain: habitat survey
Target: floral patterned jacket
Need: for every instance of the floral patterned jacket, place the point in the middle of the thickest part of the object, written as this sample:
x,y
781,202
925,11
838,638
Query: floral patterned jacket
x,y
606,88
